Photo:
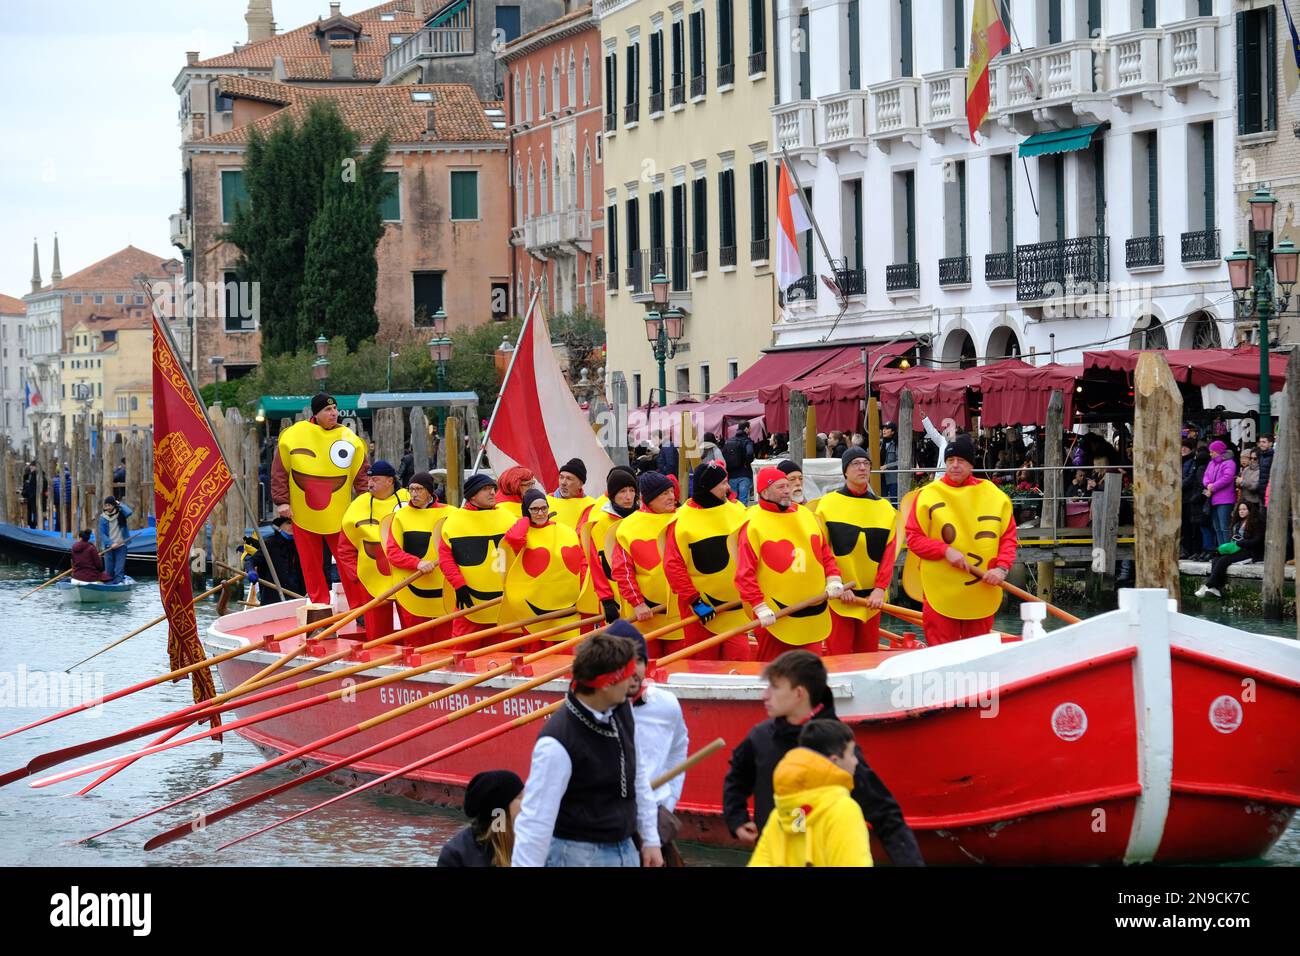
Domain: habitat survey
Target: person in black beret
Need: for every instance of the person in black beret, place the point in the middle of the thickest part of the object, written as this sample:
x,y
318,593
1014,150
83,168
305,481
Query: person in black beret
x,y
621,501
492,802
571,501
469,553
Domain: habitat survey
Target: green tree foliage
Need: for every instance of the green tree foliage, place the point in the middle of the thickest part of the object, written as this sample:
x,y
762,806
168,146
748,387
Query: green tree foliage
x,y
473,360
285,174
581,334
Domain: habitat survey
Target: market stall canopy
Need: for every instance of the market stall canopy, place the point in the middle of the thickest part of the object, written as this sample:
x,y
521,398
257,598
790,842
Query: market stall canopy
x,y
834,388
373,400
716,415
937,394
286,406
1018,395
782,365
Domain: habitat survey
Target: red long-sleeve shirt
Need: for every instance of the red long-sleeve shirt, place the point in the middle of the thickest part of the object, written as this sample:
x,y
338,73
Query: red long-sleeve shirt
x,y
931,549
604,590
679,578
747,561
624,568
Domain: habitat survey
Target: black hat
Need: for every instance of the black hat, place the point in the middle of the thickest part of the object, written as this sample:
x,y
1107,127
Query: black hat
x,y
852,453
622,628
320,401
383,469
110,500
477,482
575,467
424,480
790,467
960,447
891,426
489,791
618,479
531,495
708,475
652,485
280,520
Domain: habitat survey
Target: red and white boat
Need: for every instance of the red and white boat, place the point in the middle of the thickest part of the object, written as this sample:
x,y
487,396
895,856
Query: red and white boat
x,y
1134,736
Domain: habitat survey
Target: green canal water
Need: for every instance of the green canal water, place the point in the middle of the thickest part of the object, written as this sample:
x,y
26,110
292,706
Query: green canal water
x,y
39,827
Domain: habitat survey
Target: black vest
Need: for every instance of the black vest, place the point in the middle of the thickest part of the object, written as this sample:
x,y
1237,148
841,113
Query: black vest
x,y
593,809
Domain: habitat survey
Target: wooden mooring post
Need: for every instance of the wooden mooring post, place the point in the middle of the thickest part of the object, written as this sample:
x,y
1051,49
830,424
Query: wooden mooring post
x,y
455,470
1105,535
1157,470
1049,518
1281,503
799,430
905,438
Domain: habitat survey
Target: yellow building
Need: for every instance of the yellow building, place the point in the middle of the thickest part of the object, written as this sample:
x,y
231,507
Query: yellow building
x,y
688,187
107,366
81,373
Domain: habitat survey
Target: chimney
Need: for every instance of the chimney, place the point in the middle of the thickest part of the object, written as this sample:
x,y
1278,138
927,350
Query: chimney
x,y
259,20
334,9
56,277
342,65
191,57
429,125
36,267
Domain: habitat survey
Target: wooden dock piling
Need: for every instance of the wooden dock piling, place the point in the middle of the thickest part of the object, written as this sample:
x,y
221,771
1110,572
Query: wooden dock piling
x,y
1157,474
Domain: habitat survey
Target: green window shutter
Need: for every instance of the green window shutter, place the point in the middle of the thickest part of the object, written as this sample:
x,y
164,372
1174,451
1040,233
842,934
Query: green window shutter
x,y
1153,186
233,193
959,34
961,203
726,34
633,229
808,238
727,208
611,83
657,220
1053,21
1058,187
464,194
905,38
855,46
857,224
805,64
656,63
1208,152
1242,81
909,193
701,215
390,210
1270,64
1148,14
611,238
1205,8
757,27
1010,212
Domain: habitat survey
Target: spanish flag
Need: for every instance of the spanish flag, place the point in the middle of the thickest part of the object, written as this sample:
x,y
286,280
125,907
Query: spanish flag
x,y
988,38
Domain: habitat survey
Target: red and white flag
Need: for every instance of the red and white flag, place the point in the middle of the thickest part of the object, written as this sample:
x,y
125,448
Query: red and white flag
x,y
537,422
791,220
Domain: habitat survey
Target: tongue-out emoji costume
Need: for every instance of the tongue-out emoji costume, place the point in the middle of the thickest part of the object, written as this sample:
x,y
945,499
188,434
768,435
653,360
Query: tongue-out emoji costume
x,y
412,539
782,558
547,570
472,559
974,517
637,560
700,563
364,568
860,527
318,465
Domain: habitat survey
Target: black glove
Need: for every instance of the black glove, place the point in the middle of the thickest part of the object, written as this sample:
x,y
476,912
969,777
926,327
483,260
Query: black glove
x,y
611,610
464,599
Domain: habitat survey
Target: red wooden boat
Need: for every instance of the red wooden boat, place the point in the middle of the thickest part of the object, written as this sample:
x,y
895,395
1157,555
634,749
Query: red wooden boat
x,y
1138,735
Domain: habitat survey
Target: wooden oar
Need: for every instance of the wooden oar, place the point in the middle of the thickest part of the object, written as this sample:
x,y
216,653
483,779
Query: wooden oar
x,y
51,759
64,574
707,750
1052,609
158,620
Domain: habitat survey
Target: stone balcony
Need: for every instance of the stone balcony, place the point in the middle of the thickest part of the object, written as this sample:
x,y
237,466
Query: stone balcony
x,y
558,234
794,128
432,43
1056,85
893,115
844,123
1133,68
1190,57
943,96
180,230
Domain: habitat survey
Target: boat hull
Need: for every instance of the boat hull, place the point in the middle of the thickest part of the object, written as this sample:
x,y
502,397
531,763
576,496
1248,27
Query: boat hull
x,y
1089,746
96,593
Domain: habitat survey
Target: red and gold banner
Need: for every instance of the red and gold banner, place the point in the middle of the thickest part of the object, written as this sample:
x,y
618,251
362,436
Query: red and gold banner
x,y
189,477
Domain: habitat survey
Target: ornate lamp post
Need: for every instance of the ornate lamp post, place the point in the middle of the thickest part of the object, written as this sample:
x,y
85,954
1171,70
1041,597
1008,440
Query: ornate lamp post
x,y
1252,276
501,359
440,352
663,330
320,369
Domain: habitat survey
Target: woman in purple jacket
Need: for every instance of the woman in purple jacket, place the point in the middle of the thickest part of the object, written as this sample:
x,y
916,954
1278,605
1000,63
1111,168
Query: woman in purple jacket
x,y
1221,489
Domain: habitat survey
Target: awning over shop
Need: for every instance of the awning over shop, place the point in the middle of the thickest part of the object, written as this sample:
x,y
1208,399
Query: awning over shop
x,y
718,417
835,388
774,367
1019,395
286,406
1059,141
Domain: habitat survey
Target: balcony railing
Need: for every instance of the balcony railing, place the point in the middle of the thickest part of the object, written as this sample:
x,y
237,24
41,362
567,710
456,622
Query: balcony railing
x,y
1143,251
954,270
1135,66
631,112
944,98
851,281
677,94
758,250
844,119
794,127
611,122
999,266
700,260
656,103
893,114
436,42
902,276
757,62
726,256
803,289
1201,246
636,270
1189,55
561,231
1043,76
671,261
698,85
1058,267
611,275
726,74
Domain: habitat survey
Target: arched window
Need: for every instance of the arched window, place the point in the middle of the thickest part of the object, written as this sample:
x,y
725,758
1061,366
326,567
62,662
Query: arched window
x,y
557,183
571,200
541,192
573,79
586,78
541,94
532,206
528,95
518,100
519,191
586,179
555,86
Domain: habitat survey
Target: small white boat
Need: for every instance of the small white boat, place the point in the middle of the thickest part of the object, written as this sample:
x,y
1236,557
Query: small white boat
x,y
95,592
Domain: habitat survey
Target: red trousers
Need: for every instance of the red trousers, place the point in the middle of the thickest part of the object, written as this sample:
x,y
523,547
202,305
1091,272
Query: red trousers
x,y
942,630
732,649
429,636
311,555
771,647
379,619
463,626
851,636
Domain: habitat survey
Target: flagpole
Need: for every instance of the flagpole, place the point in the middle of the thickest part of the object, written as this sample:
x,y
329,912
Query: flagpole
x,y
235,479
514,356
803,201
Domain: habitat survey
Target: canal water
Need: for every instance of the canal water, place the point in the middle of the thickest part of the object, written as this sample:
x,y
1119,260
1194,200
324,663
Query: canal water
x,y
40,827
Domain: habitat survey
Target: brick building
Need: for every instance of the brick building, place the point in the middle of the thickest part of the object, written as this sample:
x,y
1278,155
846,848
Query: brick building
x,y
553,101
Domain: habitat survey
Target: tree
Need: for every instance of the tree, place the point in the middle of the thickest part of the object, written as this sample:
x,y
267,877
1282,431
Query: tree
x,y
581,334
473,360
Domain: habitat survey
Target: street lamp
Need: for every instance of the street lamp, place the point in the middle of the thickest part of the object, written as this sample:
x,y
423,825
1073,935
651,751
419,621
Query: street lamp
x,y
391,355
440,352
501,359
320,369
663,330
1252,275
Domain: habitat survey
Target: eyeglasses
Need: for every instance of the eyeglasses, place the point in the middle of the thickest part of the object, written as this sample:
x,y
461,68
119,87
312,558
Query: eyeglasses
x,y
539,509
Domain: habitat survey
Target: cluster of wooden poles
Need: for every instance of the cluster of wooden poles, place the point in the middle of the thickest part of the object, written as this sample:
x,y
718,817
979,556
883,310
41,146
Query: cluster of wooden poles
x,y
269,683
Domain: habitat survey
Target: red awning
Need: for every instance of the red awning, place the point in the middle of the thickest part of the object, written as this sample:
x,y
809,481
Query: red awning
x,y
773,368
1125,360
835,388
937,394
1019,395
1239,368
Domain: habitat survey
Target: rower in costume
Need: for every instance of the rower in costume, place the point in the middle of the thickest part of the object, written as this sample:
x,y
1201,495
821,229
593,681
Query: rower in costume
x,y
597,534
782,558
794,471
364,568
511,485
963,531
637,560
571,501
412,544
700,562
471,558
546,569
860,527
315,462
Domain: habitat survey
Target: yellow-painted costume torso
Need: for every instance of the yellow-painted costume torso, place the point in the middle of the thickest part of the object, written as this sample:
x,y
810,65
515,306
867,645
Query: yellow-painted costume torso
x,y
363,526
789,570
971,519
416,532
547,574
474,538
321,466
639,535
706,539
569,511
858,531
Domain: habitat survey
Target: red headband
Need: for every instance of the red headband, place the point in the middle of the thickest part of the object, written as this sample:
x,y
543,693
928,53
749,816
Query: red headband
x,y
613,677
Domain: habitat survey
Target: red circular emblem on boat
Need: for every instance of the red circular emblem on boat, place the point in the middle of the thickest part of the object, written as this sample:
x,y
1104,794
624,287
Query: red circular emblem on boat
x,y
1225,714
1069,721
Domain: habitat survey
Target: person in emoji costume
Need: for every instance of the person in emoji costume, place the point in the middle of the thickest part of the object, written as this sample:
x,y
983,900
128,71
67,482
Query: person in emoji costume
x,y
364,567
571,501
637,559
547,569
411,543
597,534
470,555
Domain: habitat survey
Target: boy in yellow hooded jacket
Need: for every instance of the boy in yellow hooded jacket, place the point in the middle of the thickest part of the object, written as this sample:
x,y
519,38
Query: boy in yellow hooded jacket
x,y
816,821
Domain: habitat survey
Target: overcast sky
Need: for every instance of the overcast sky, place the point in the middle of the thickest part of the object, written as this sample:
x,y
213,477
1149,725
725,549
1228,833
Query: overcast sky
x,y
89,139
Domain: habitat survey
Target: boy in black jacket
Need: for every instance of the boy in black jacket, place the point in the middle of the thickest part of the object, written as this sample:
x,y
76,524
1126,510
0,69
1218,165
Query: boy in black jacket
x,y
796,693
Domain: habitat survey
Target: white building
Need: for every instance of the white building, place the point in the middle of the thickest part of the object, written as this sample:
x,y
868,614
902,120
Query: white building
x,y
1105,165
15,335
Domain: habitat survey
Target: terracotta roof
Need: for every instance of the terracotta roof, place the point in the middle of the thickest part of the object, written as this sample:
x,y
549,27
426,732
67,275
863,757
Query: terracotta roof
x,y
516,46
11,306
117,271
372,110
303,41
106,323
364,67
